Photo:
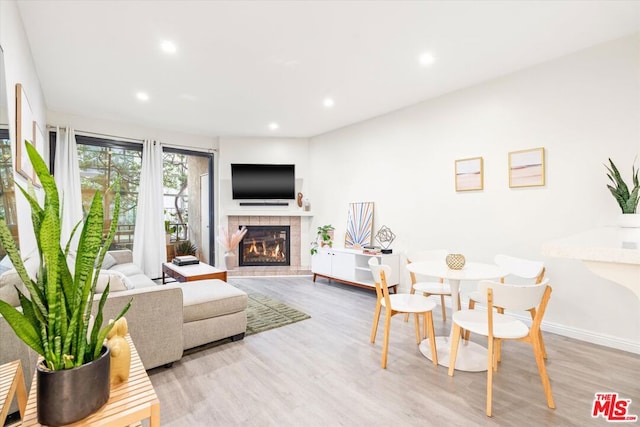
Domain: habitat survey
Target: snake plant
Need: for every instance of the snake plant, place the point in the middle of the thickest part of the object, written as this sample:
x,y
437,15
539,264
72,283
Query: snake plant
x,y
628,201
56,315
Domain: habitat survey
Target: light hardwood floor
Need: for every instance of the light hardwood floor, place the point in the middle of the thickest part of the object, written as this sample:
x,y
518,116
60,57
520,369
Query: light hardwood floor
x,y
324,372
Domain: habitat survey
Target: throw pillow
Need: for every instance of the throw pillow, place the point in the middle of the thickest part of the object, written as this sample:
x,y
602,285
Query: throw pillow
x,y
108,261
115,279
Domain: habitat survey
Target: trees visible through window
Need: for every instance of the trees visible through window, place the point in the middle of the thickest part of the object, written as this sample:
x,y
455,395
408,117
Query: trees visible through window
x,y
101,162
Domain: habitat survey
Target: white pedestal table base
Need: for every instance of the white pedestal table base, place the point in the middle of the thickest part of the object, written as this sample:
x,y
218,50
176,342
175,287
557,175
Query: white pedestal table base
x,y
472,357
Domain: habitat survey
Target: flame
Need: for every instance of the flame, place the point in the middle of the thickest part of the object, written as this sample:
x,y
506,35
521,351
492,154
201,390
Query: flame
x,y
253,249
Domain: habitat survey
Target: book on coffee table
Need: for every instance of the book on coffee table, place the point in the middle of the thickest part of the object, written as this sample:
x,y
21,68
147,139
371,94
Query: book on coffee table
x,y
185,260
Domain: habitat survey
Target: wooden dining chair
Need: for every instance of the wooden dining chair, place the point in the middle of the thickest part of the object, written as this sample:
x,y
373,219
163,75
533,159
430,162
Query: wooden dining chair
x,y
524,270
400,303
498,327
437,286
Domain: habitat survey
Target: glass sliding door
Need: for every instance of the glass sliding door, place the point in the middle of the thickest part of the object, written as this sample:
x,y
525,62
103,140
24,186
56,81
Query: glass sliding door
x,y
188,208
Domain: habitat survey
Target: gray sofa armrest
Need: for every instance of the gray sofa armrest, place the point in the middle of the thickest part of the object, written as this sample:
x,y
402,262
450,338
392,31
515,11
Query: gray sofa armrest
x,y
154,319
122,256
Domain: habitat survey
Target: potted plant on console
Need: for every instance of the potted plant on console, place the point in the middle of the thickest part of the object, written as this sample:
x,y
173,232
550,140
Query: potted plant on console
x,y
324,237
56,319
627,200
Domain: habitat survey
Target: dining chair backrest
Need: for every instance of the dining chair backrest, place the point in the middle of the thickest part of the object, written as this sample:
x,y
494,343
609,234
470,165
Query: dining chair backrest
x,y
520,267
380,273
514,297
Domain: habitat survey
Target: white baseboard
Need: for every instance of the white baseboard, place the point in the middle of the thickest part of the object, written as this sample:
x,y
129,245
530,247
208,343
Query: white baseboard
x,y
572,332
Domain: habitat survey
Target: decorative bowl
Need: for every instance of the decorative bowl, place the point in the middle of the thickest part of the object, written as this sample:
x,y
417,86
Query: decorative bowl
x,y
455,261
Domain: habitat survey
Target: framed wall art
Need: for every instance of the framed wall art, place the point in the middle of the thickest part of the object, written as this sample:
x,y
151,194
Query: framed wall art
x,y
359,225
24,131
526,168
470,174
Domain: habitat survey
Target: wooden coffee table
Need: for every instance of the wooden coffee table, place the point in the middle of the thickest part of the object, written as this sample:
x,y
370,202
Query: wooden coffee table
x,y
189,273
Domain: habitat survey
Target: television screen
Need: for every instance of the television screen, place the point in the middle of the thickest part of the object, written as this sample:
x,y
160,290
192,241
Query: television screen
x,y
259,181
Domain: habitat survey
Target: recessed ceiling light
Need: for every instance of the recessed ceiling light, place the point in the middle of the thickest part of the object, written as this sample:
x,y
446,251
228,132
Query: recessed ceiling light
x,y
273,126
142,96
328,102
426,59
168,46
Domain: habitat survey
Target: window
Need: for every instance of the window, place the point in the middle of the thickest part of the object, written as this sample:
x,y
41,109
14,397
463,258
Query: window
x,y
101,161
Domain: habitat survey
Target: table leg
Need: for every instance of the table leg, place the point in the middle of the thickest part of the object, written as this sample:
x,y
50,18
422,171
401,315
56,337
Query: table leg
x,y
471,357
154,419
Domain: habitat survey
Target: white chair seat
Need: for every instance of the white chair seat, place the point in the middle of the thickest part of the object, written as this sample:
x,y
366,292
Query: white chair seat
x,y
408,303
433,288
503,326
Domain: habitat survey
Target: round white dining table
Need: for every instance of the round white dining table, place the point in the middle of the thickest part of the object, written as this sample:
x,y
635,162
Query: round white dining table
x,y
471,357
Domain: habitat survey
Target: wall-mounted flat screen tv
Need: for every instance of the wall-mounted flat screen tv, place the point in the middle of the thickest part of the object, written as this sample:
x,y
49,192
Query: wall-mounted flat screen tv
x,y
263,181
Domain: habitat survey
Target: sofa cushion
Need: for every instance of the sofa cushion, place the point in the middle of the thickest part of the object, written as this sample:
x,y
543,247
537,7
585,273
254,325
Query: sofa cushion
x,y
204,299
128,269
115,279
139,281
10,279
108,261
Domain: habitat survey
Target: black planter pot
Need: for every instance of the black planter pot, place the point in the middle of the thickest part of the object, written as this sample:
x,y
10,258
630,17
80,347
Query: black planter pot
x,y
69,395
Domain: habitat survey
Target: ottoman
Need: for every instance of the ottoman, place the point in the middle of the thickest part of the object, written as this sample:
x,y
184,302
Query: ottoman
x,y
212,310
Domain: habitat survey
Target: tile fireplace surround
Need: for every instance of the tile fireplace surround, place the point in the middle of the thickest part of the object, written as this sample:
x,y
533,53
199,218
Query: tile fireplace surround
x,y
294,222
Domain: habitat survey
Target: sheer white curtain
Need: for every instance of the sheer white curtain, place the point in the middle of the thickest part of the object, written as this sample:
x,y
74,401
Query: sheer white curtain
x,y
67,177
149,249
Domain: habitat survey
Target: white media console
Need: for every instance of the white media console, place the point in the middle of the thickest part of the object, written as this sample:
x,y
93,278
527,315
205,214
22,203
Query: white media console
x,y
351,266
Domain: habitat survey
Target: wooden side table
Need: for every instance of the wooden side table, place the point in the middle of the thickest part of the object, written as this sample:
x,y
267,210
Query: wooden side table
x,y
11,384
129,402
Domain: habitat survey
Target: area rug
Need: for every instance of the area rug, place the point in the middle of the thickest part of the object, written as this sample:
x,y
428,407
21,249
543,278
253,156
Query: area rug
x,y
264,313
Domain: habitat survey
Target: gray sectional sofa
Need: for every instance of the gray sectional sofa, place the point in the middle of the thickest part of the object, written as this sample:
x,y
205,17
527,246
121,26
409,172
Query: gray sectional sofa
x,y
164,320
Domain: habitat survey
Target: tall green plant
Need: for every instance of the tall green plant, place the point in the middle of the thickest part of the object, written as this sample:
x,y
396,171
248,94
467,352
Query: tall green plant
x,y
55,318
628,201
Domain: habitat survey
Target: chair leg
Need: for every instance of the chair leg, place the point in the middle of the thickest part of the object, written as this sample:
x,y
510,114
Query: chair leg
x,y
406,315
544,350
416,317
424,326
472,305
376,320
542,369
497,352
455,341
428,317
385,345
490,362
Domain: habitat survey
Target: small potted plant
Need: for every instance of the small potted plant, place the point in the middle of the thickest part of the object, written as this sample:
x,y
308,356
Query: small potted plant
x,y
56,318
627,199
324,237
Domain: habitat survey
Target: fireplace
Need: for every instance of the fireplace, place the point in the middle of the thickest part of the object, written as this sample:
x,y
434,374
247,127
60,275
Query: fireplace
x,y
265,245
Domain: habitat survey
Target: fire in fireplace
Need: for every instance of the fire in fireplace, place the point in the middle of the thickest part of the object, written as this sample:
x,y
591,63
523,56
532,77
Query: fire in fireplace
x,y
265,245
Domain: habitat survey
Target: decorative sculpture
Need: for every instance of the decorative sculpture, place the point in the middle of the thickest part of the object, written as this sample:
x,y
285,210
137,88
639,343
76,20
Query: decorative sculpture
x,y
120,352
385,237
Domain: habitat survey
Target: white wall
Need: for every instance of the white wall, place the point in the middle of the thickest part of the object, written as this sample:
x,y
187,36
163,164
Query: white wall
x,y
582,108
261,150
19,68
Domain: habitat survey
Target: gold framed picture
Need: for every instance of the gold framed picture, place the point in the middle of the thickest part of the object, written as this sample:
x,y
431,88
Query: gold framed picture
x,y
526,168
470,174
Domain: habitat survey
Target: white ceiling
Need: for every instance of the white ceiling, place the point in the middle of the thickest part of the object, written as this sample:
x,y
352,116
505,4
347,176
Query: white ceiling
x,y
243,64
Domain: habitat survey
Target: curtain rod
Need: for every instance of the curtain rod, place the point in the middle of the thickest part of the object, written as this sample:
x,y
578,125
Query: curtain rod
x,y
100,135
140,141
